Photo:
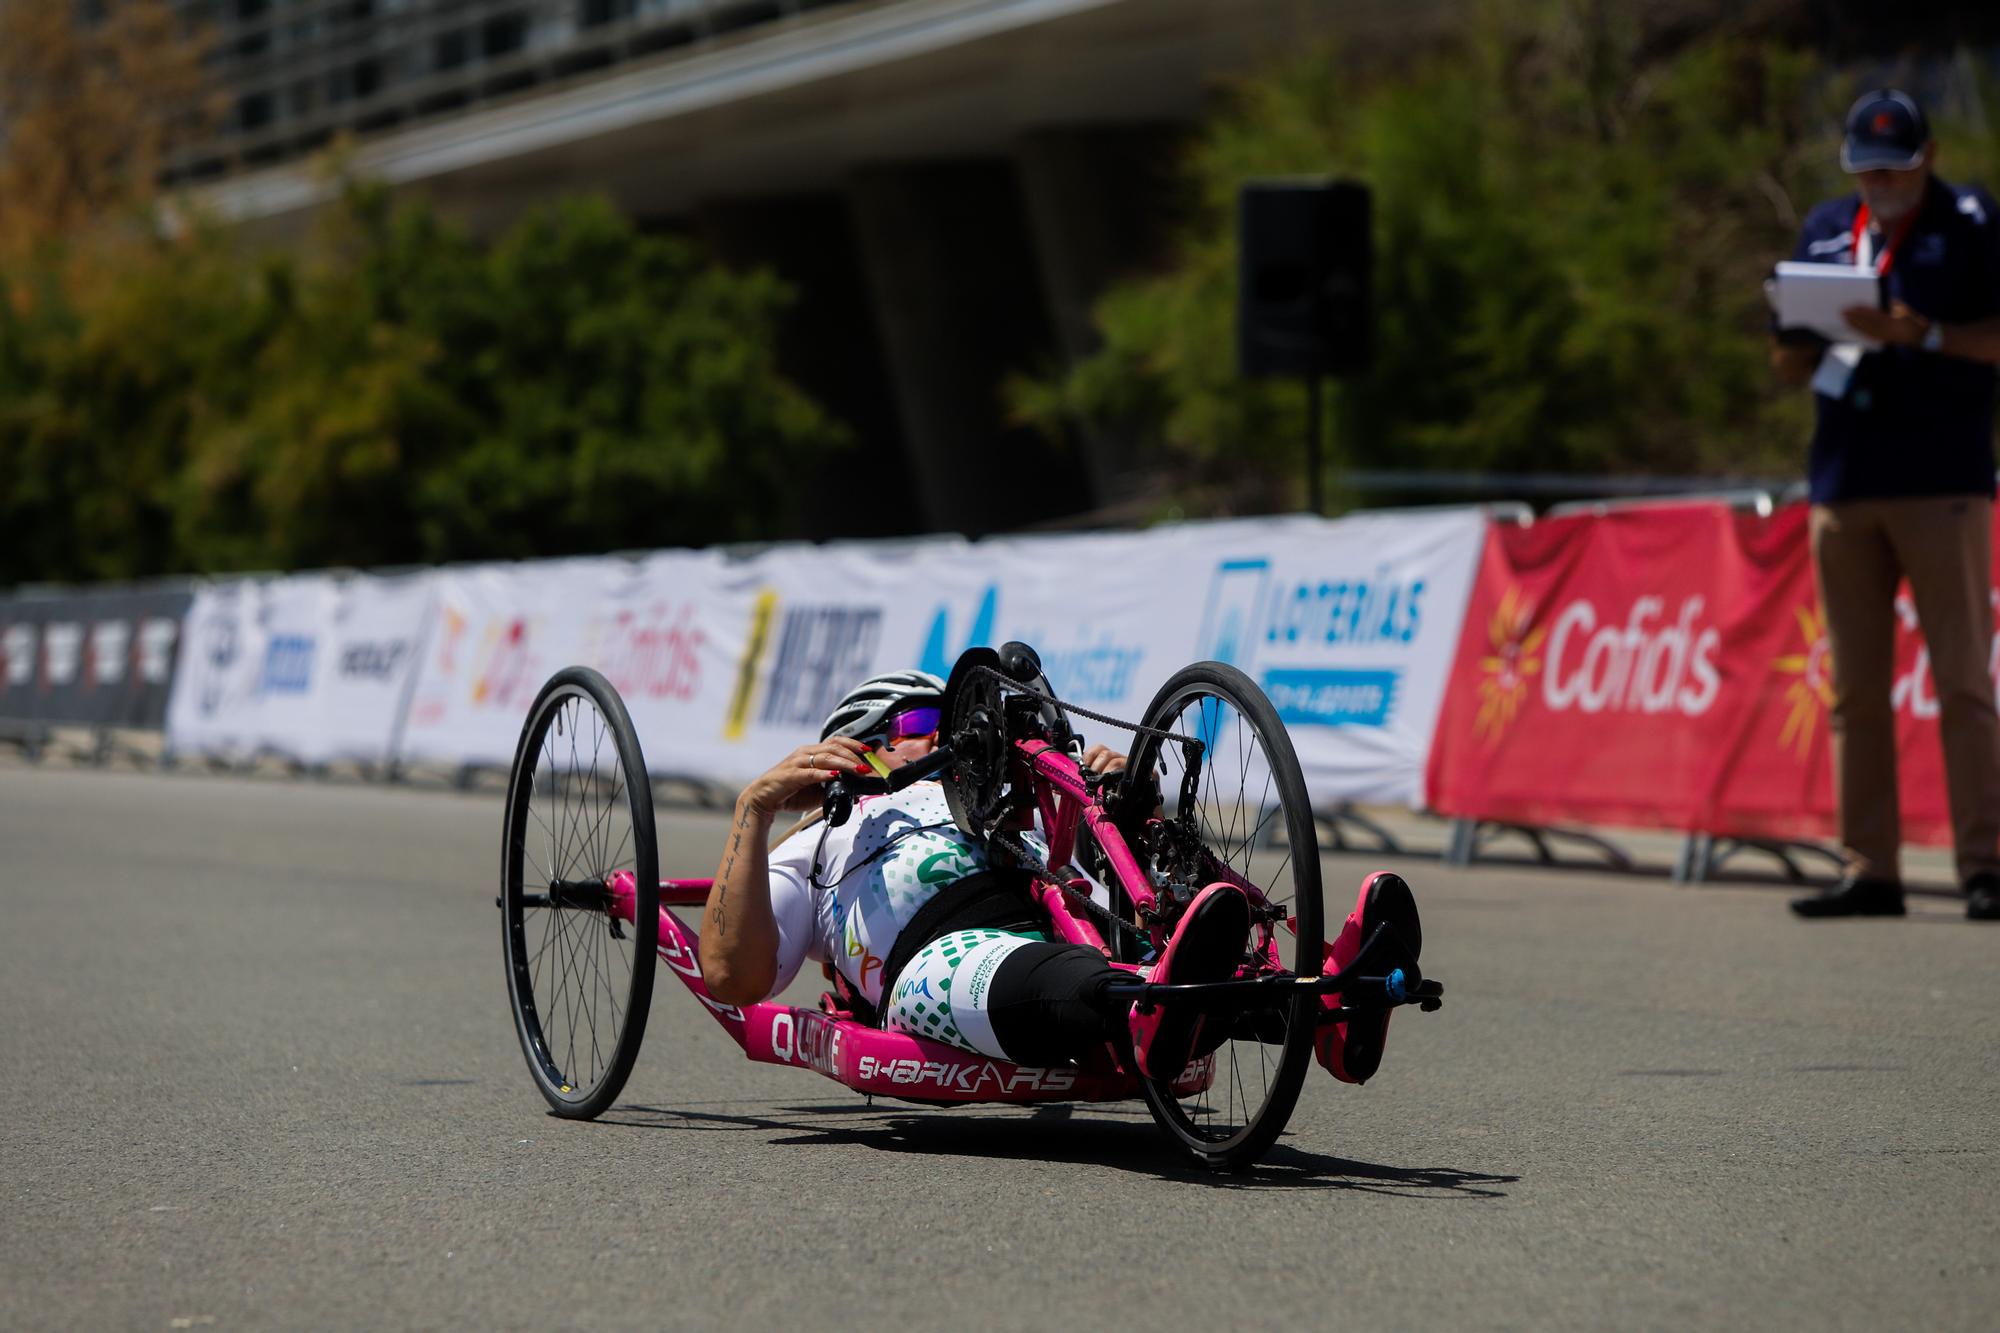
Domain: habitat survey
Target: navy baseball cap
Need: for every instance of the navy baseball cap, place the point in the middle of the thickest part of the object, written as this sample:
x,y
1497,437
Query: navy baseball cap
x,y
1885,130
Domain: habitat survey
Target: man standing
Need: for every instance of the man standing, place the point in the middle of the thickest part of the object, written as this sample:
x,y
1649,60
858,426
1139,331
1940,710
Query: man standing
x,y
1902,487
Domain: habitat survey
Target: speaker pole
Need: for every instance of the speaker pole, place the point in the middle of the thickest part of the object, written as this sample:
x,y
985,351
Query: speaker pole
x,y
1312,442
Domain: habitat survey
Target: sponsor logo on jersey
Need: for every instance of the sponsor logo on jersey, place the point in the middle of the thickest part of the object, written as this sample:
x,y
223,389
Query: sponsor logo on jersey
x,y
945,866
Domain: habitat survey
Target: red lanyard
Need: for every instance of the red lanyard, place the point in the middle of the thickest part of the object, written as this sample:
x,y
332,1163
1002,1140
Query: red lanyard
x,y
1888,255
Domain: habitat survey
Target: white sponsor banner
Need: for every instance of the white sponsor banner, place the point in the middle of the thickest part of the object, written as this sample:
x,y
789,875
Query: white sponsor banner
x,y
310,667
214,708
501,631
791,630
1350,624
295,617
725,664
366,664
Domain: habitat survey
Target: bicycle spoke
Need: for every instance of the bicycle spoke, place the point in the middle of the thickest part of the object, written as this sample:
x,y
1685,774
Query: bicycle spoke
x,y
586,983
543,878
593,835
579,997
576,818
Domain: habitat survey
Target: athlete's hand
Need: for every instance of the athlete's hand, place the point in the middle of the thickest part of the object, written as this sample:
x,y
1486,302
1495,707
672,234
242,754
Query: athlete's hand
x,y
794,782
1102,759
1898,326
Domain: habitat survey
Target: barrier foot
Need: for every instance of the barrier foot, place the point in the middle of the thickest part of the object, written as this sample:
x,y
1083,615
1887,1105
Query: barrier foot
x,y
1706,855
1459,847
1695,858
1338,820
1470,838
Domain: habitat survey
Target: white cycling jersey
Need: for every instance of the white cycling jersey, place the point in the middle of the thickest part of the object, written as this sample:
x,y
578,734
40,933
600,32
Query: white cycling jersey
x,y
891,856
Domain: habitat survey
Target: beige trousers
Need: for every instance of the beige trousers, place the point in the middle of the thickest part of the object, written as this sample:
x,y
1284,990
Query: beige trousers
x,y
1944,546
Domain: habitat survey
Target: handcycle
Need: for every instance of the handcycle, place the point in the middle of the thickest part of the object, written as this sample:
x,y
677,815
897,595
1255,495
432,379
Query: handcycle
x,y
1212,794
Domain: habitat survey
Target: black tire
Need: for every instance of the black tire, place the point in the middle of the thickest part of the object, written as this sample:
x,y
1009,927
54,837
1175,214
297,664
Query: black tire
x,y
1249,796
579,807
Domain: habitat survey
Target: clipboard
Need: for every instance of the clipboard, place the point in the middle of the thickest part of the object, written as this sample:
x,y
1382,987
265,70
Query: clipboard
x,y
1811,296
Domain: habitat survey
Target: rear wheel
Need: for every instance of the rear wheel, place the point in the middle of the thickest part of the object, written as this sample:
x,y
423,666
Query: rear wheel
x,y
579,820
1236,810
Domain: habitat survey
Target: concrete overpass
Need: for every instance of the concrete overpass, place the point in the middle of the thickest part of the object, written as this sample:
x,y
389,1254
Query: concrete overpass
x,y
950,183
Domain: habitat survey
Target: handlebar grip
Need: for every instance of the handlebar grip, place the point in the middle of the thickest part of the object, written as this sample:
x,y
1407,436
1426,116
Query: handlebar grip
x,y
837,797
837,801
929,766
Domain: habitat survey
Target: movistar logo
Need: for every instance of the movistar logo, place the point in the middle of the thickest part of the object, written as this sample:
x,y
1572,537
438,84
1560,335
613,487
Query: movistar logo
x,y
939,654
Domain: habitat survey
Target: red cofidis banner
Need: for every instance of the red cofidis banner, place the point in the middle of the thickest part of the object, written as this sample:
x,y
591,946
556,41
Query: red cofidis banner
x,y
1667,668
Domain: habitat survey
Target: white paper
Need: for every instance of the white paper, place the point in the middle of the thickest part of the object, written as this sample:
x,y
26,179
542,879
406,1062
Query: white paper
x,y
1811,296
1836,370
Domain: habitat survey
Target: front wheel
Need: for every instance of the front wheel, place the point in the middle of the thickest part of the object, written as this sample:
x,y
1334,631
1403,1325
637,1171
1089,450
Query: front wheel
x,y
1236,809
579,961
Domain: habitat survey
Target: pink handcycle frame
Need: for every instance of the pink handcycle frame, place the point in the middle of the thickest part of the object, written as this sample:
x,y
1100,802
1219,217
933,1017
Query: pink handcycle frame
x,y
896,1064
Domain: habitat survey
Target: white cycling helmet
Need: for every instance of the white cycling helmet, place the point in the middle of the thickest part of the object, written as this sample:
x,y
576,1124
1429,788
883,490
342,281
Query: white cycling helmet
x,y
867,708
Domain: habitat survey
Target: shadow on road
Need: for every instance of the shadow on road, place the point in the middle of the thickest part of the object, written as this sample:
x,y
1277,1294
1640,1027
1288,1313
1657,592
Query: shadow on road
x,y
1104,1138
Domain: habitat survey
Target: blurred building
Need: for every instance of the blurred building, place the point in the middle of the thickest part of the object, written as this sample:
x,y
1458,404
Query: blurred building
x,y
950,183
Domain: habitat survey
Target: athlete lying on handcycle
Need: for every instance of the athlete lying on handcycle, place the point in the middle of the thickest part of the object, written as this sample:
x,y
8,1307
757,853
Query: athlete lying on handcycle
x,y
926,935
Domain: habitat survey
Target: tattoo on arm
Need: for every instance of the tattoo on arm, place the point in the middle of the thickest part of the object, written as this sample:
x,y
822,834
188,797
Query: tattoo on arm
x,y
728,869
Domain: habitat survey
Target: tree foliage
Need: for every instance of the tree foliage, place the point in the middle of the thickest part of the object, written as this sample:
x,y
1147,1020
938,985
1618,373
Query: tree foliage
x,y
89,112
1573,215
397,392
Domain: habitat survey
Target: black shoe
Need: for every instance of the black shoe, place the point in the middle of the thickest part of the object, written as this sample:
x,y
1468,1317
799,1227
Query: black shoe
x,y
1854,897
1982,897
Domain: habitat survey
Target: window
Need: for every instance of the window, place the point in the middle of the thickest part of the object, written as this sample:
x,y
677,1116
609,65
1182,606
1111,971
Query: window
x,y
450,49
254,112
498,36
593,13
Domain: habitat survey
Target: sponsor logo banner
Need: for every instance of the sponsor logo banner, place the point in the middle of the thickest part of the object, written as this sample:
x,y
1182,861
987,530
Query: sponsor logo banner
x,y
1663,667
660,629
1604,662
310,667
727,664
1349,626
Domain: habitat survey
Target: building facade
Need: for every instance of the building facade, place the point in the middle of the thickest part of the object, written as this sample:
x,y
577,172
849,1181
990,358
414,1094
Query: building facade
x,y
948,183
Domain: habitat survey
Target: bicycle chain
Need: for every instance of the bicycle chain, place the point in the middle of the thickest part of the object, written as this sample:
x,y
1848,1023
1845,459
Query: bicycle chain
x,y
1025,855
1020,850
1136,727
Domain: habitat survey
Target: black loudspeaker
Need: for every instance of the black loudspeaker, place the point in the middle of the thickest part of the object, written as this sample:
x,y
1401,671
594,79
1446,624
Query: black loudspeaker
x,y
1305,258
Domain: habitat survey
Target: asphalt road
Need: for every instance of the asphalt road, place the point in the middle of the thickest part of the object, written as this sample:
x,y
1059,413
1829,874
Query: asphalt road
x,y
261,1073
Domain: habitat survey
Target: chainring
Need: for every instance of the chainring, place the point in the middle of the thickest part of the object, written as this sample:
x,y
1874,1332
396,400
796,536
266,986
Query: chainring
x,y
974,726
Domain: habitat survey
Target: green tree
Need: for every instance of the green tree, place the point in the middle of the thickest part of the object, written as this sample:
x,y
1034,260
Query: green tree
x,y
93,100
1573,216
397,393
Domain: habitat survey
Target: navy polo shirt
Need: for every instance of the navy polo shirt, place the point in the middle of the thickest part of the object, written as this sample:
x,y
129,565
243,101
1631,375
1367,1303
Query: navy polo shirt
x,y
1913,422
